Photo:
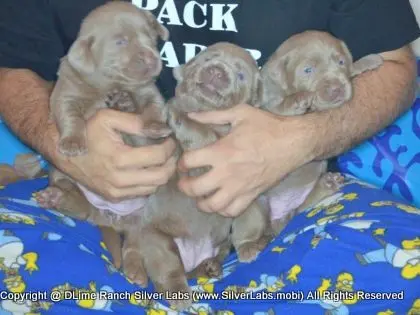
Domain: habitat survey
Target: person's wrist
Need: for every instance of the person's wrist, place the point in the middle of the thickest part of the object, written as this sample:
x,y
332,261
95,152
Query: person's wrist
x,y
48,147
301,138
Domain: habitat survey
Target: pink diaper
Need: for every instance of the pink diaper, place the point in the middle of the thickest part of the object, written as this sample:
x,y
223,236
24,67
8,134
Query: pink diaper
x,y
289,200
194,252
122,208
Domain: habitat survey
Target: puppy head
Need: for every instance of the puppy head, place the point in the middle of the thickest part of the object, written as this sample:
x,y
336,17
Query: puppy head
x,y
223,74
316,62
117,41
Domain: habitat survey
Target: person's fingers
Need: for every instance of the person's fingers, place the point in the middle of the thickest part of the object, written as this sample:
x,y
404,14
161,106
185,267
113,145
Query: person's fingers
x,y
236,207
197,158
153,176
147,156
201,185
218,117
121,121
216,202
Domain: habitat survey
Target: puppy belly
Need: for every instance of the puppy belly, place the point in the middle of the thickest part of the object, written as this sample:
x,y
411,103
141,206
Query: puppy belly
x,y
193,252
282,204
121,208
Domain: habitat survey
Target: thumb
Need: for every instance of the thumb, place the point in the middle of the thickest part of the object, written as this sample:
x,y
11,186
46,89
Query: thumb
x,y
121,121
217,117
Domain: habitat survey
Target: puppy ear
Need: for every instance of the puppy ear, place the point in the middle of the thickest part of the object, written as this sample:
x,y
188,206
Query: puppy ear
x,y
277,71
178,73
160,30
255,91
273,77
80,55
261,91
346,51
348,55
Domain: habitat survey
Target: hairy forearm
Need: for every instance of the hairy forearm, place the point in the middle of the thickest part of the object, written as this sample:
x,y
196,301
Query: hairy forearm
x,y
24,99
379,98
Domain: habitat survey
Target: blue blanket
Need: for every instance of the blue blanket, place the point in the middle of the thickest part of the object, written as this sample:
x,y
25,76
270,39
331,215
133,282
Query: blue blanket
x,y
358,252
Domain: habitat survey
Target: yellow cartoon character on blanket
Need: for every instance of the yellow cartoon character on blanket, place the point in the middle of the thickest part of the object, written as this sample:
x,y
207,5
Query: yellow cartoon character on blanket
x,y
331,205
9,216
351,220
401,206
407,257
12,258
334,298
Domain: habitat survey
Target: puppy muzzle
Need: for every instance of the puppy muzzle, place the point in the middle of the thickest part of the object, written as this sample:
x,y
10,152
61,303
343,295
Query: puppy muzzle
x,y
334,91
145,65
214,79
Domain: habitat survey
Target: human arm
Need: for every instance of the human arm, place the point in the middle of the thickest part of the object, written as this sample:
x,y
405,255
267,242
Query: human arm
x,y
110,168
246,163
29,58
379,98
262,148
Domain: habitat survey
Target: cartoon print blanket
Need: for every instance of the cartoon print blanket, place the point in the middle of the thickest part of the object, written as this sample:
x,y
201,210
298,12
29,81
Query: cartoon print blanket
x,y
357,252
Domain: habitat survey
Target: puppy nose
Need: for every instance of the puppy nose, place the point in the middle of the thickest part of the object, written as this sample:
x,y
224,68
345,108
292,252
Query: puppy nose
x,y
215,76
216,72
334,91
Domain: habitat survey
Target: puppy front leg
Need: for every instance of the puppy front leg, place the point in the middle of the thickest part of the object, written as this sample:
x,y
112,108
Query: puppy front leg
x,y
120,100
191,135
71,125
366,63
295,104
151,106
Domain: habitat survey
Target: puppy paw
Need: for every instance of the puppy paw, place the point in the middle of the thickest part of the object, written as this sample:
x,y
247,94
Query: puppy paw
x,y
248,252
120,100
333,181
213,268
49,198
303,103
371,62
179,297
133,268
367,63
209,268
73,145
156,130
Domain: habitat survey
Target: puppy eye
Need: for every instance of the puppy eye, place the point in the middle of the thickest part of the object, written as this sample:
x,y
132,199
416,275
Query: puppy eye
x,y
122,41
341,62
308,70
241,76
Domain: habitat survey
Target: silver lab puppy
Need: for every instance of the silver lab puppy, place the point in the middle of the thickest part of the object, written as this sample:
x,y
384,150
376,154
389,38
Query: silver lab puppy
x,y
221,76
113,63
311,71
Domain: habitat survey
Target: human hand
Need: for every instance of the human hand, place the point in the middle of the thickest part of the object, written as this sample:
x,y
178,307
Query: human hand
x,y
260,150
111,168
